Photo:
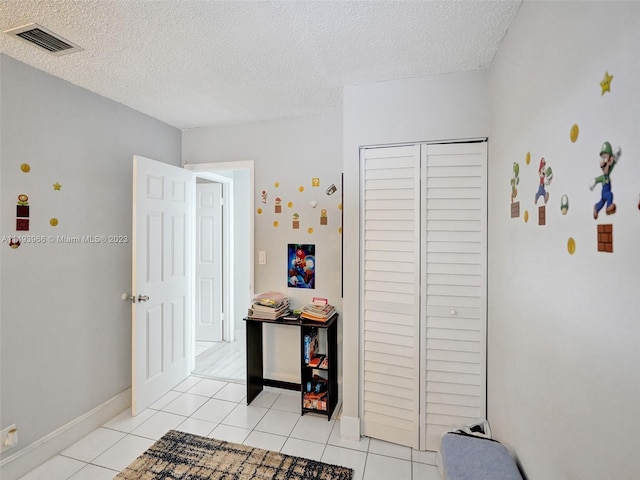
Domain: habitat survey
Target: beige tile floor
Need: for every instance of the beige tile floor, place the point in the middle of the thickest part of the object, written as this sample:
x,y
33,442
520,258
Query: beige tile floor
x,y
217,409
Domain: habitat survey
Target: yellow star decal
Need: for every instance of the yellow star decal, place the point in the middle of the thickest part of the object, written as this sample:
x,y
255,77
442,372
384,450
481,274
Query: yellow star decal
x,y
57,186
606,83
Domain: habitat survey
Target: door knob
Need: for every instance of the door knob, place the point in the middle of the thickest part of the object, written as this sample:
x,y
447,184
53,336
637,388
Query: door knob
x,y
143,298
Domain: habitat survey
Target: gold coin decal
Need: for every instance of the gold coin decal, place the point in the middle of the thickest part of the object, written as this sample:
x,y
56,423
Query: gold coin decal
x,y
574,133
275,224
25,167
290,204
53,222
340,230
259,211
310,230
301,188
526,216
571,246
528,160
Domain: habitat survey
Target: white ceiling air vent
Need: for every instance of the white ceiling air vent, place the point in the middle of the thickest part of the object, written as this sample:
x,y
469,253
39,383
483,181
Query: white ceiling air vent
x,y
44,39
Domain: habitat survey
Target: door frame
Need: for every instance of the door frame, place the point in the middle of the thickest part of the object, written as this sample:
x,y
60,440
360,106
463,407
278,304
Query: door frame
x,y
217,172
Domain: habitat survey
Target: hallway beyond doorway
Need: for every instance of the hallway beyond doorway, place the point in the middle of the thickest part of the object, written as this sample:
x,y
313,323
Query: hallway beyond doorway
x,y
222,360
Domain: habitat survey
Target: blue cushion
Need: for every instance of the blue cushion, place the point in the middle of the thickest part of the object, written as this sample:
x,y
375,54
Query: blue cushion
x,y
466,457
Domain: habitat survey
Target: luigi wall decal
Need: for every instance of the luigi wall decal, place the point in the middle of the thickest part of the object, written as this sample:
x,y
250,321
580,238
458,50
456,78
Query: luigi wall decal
x,y
608,160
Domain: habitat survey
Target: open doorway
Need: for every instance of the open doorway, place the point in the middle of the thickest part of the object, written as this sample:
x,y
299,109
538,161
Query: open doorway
x,y
223,283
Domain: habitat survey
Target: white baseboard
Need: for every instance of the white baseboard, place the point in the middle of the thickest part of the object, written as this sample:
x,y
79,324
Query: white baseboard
x,y
350,428
41,450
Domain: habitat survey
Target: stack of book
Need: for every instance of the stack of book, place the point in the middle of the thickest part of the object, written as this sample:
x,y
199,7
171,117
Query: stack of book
x,y
269,306
318,310
315,394
310,345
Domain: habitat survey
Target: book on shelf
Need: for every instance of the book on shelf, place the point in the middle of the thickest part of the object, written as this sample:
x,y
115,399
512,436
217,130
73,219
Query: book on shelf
x,y
315,401
290,317
318,311
310,342
316,361
269,306
315,393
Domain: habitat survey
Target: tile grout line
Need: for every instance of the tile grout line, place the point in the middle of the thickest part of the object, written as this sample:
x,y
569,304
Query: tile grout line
x,y
288,437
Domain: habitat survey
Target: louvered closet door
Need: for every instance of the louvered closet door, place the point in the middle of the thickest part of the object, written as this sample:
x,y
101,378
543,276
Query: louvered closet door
x,y
390,304
454,280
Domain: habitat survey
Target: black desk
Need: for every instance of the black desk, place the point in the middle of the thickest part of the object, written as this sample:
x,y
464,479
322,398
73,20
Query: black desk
x,y
255,372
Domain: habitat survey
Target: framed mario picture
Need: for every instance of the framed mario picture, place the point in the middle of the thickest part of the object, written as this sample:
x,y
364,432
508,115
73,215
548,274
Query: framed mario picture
x,y
301,267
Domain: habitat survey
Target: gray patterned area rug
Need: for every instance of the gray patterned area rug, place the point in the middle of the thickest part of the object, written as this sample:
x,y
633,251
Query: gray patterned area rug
x,y
179,455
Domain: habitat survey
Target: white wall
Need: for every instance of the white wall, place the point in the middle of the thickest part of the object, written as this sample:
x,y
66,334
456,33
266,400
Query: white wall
x,y
441,107
563,357
290,152
66,333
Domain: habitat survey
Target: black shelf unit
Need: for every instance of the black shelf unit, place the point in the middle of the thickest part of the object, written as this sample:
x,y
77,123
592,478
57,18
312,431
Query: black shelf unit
x,y
327,346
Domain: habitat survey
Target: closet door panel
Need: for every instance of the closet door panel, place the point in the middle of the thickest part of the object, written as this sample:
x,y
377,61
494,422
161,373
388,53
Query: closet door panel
x,y
454,257
391,294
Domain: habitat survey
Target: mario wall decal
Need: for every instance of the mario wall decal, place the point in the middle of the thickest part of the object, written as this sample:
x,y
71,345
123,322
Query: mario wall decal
x,y
545,175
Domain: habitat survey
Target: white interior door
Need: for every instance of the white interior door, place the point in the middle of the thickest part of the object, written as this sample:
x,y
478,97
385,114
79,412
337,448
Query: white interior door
x,y
161,277
208,295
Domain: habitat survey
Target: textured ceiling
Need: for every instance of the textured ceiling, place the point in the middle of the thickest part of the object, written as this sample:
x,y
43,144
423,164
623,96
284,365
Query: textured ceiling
x,y
200,63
